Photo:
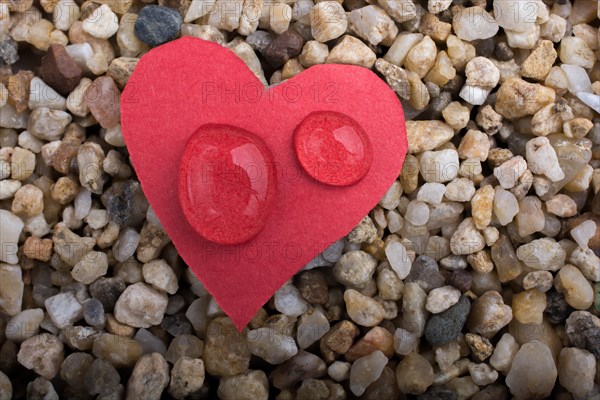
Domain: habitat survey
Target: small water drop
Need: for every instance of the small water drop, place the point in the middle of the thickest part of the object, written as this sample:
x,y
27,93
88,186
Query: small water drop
x,y
333,148
227,183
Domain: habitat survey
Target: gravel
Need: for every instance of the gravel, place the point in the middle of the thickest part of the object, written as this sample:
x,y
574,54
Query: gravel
x,y
477,275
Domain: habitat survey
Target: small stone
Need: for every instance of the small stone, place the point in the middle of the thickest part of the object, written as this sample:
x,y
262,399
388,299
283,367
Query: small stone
x,y
64,309
184,346
533,372
583,233
539,62
530,218
74,368
427,135
47,124
528,306
157,25
120,351
414,374
24,325
107,291
28,201
338,340
542,159
226,351
91,266
102,98
425,272
289,301
544,254
366,370
541,280
93,313
562,206
578,292
312,326
9,239
350,50
398,259
440,299
482,374
439,166
246,386
417,213
456,115
121,68
102,23
355,269
474,145
149,377
482,206
69,246
41,388
481,348
187,377
444,327
421,58
328,21
59,70
141,306
467,239
270,345
575,51
302,366
474,23
363,310
313,53
365,231
42,95
284,47
101,378
313,287
431,193
517,98
576,371
489,314
160,275
339,371
43,354
504,353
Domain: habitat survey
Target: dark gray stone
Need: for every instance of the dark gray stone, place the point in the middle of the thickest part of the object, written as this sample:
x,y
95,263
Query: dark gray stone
x,y
157,25
446,326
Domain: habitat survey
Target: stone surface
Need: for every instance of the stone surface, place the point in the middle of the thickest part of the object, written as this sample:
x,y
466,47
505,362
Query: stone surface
x,y
446,326
414,374
366,370
59,70
533,372
156,25
43,354
226,351
141,306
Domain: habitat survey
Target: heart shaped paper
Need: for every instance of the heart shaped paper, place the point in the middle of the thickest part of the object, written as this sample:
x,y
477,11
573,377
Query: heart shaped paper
x,y
188,83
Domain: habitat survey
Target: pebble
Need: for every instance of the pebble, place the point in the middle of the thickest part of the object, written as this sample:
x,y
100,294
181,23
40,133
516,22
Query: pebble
x,y
539,62
587,262
247,386
562,206
575,51
289,301
446,326
64,309
328,21
301,367
488,315
474,23
9,237
59,71
398,258
101,378
24,325
576,371
355,269
350,50
313,53
421,57
149,377
41,388
226,351
467,239
427,135
544,254
338,340
271,346
377,339
120,351
160,275
184,346
102,97
48,124
460,189
541,280
425,272
141,306
363,310
187,377
530,218
28,201
93,313
474,145
107,291
284,47
528,306
439,166
43,354
504,353
91,267
366,370
482,374
414,374
517,98
578,292
533,372
440,299
542,159
156,25
365,231
482,206
313,326
102,23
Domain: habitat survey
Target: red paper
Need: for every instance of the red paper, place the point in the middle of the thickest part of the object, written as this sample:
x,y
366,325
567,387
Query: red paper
x,y
182,85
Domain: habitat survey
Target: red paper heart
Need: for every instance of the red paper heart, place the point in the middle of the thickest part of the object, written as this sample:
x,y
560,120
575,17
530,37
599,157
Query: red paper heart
x,y
185,84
